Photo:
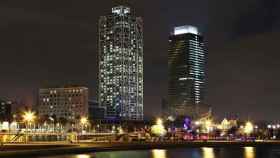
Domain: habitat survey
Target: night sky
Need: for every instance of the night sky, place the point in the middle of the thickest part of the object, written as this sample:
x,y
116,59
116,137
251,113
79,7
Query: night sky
x,y
53,42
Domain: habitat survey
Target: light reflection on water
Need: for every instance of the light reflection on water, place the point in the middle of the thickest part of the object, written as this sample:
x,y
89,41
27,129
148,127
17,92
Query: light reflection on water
x,y
249,152
205,152
156,153
208,153
83,156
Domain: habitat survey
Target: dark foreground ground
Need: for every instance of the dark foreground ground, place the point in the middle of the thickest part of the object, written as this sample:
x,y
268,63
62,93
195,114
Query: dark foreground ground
x,y
44,149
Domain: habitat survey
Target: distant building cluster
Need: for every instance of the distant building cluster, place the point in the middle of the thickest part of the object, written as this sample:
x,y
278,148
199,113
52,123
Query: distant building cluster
x,y
120,89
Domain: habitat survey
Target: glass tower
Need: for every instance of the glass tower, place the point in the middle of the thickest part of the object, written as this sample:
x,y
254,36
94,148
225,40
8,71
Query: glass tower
x,y
120,61
186,71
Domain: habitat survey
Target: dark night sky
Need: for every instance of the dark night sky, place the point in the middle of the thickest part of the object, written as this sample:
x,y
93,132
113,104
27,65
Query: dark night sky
x,y
54,42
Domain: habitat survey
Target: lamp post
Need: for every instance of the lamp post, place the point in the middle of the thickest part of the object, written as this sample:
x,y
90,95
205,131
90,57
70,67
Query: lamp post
x,y
249,128
28,117
52,124
84,122
158,129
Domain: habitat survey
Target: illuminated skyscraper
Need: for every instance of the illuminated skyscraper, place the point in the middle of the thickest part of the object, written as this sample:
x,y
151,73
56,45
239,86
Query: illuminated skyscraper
x,y
120,61
186,65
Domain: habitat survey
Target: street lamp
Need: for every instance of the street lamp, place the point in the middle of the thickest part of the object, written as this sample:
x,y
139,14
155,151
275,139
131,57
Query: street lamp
x,y
249,128
84,122
159,121
158,129
28,117
197,123
52,124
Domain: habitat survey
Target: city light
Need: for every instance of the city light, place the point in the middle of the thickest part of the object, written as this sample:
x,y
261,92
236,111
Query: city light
x,y
197,123
29,116
269,126
208,125
158,129
69,119
120,130
185,29
83,156
84,121
156,153
249,152
208,152
159,121
249,128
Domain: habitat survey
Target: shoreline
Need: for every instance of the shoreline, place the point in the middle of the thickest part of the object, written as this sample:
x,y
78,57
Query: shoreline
x,y
27,150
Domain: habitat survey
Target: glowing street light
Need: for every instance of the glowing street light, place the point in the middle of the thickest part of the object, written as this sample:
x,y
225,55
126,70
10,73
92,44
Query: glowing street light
x,y
208,123
158,129
84,121
208,126
159,121
29,116
120,130
249,128
197,123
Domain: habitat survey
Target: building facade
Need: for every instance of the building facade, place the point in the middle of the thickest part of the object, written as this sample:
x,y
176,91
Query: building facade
x,y
186,71
95,112
5,110
69,103
120,61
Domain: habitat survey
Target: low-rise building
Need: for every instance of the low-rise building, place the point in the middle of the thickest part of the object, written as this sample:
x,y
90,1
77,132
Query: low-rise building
x,y
69,103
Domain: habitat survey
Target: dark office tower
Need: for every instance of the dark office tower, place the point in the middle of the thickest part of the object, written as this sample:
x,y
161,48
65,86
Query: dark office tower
x,y
186,66
120,61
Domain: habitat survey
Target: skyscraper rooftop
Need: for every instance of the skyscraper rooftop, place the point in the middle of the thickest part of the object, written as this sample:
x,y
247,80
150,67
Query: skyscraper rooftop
x,y
121,10
186,29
